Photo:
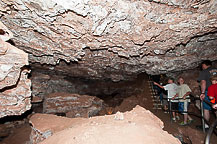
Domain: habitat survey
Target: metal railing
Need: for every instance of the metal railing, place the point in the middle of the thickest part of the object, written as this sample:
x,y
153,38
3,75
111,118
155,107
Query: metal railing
x,y
212,127
210,132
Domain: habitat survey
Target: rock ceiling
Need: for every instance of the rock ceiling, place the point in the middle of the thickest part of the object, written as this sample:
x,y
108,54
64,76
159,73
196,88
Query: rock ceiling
x,y
114,38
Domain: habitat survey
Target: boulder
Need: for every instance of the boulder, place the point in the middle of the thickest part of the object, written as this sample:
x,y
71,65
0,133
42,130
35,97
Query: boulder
x,y
137,126
73,105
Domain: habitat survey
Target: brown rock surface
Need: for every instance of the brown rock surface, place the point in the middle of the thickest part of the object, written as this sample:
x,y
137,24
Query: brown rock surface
x,y
45,125
14,86
115,38
137,126
73,105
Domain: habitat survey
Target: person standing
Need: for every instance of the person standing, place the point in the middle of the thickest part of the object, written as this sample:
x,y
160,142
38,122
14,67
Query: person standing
x,y
212,91
171,87
204,79
183,93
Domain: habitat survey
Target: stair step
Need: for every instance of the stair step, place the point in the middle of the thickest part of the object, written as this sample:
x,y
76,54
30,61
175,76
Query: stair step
x,y
154,96
156,101
157,108
157,104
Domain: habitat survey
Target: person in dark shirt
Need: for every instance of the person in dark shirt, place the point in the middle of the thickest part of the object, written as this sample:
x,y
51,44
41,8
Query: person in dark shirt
x,y
204,79
157,78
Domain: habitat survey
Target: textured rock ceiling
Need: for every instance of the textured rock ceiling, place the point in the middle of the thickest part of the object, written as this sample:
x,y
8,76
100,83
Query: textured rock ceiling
x,y
114,38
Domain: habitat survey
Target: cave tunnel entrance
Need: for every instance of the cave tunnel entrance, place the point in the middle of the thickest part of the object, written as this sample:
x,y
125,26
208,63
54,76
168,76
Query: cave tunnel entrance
x,y
47,82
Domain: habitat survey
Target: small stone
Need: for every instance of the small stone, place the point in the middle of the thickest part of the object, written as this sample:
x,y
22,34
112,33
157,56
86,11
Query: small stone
x,y
119,116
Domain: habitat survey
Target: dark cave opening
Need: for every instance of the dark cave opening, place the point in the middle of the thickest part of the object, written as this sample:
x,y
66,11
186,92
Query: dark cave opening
x,y
112,93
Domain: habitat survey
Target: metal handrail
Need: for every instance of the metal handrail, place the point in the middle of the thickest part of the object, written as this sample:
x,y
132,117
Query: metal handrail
x,y
195,98
211,128
210,131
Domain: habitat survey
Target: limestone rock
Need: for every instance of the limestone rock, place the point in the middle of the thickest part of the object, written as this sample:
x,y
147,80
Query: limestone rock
x,y
137,126
73,105
39,85
5,34
14,84
115,38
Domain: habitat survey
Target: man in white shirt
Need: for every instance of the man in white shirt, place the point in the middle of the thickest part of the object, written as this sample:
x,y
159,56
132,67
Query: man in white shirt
x,y
171,88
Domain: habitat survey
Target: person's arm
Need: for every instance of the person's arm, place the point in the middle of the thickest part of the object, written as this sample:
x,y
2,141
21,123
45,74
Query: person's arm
x,y
214,106
201,79
157,84
174,96
203,89
188,93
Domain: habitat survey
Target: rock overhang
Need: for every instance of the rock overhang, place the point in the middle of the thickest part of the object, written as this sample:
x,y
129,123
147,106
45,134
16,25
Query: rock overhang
x,y
114,39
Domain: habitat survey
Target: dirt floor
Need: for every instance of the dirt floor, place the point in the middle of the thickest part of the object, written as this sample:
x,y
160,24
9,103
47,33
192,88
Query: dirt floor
x,y
190,134
19,135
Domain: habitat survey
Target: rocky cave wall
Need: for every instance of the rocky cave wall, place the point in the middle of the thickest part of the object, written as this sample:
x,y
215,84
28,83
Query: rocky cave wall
x,y
114,39
15,90
46,82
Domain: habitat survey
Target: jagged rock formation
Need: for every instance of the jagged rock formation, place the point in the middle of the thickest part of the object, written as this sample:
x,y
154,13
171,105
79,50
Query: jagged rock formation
x,y
137,126
14,86
72,105
114,39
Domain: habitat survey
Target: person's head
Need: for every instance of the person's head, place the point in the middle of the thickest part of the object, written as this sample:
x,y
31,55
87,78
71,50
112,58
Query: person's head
x,y
206,64
170,80
181,80
214,79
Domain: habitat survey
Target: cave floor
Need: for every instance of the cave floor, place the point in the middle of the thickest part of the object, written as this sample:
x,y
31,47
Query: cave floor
x,y
20,135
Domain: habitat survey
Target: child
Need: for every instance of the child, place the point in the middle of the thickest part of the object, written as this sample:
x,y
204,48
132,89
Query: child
x,y
171,87
212,91
183,92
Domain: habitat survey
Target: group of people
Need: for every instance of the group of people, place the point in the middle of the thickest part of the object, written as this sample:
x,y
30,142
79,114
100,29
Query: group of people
x,y
207,79
179,95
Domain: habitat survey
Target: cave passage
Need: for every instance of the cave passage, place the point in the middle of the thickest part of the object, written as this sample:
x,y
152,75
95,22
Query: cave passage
x,y
48,82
